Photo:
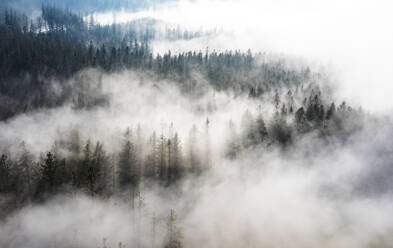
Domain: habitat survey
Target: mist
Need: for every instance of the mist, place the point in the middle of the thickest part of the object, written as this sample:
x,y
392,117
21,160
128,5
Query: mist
x,y
336,194
349,36
264,198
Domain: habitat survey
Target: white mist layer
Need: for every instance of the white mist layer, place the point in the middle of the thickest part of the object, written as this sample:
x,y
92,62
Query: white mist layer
x,y
351,36
133,101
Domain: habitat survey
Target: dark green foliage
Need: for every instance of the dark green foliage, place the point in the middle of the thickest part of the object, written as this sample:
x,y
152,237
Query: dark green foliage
x,y
286,125
174,160
301,124
173,236
71,167
48,174
251,135
280,131
23,170
151,163
60,44
97,171
6,179
192,156
261,129
233,146
331,112
163,159
128,171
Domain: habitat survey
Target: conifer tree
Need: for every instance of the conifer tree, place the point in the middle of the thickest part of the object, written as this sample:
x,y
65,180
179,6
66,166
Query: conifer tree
x,y
128,176
48,173
174,235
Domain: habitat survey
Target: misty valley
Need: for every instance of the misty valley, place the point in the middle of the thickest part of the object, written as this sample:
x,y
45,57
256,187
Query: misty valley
x,y
149,133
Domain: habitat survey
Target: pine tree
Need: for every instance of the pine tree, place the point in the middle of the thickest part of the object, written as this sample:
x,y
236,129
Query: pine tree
x,y
175,159
233,145
250,134
24,170
98,172
48,172
261,129
207,160
5,175
174,235
301,123
280,131
331,111
193,151
162,159
276,99
127,164
82,172
151,163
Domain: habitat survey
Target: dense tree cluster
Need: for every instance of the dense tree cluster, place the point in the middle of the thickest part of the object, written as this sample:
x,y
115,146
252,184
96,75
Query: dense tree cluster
x,y
291,122
60,43
76,166
73,165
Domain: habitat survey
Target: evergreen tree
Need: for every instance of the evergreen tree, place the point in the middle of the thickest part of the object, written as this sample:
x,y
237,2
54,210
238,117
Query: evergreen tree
x,y
193,151
173,236
127,164
48,173
301,123
24,170
233,146
261,129
6,182
163,159
151,163
98,172
175,159
331,111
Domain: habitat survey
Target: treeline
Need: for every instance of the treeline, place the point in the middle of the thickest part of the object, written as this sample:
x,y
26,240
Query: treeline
x,y
74,165
60,43
292,121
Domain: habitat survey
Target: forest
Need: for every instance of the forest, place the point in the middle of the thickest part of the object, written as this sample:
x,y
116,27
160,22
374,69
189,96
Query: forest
x,y
91,115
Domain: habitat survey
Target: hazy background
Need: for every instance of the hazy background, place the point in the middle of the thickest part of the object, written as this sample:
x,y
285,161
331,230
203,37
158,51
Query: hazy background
x,y
353,38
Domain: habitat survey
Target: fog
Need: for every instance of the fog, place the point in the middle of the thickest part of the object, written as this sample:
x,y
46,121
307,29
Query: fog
x,y
134,99
351,36
340,196
315,192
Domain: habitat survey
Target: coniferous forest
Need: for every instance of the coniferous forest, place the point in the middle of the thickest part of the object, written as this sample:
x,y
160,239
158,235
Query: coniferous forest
x,y
107,141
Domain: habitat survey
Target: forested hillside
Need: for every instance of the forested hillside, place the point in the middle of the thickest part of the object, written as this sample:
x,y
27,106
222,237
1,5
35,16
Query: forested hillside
x,y
91,111
60,44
